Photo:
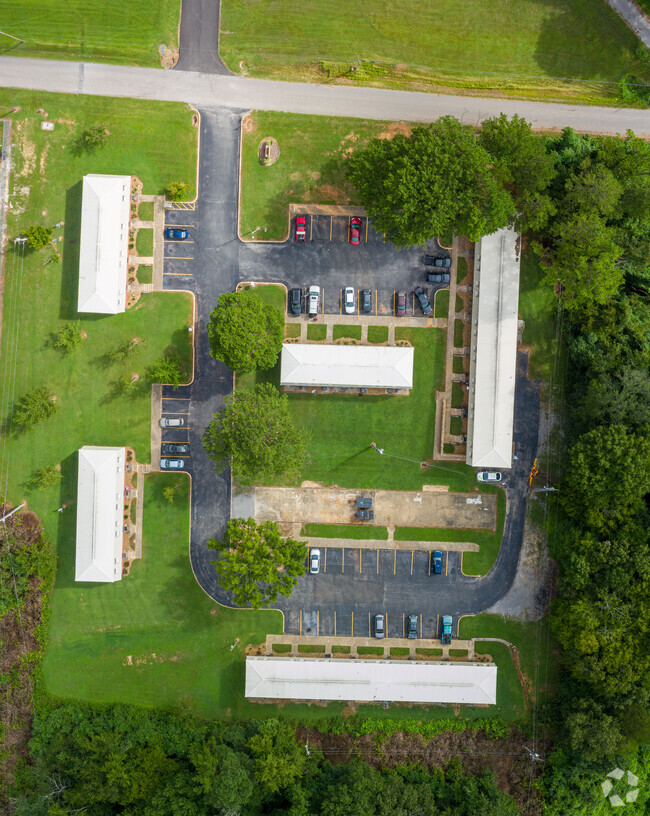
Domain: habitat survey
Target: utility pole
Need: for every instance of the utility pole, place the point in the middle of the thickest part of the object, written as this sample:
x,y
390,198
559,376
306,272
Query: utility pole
x,y
15,510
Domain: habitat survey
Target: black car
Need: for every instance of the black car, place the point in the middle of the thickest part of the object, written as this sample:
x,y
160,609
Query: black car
x,y
366,300
429,260
365,515
421,295
412,626
434,277
295,301
442,261
169,448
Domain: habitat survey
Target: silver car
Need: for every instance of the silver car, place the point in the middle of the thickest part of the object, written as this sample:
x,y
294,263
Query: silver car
x,y
172,422
380,630
314,561
488,476
349,300
172,464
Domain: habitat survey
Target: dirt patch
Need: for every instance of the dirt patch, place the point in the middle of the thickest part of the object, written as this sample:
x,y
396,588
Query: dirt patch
x,y
329,193
248,125
394,128
169,57
505,758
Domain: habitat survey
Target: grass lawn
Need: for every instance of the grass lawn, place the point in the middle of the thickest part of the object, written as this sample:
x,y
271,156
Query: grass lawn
x,y
153,638
291,330
538,655
120,31
144,242
370,650
458,333
538,308
311,167
458,653
461,267
377,334
441,303
476,45
272,295
145,274
145,211
460,306
429,652
457,395
457,364
348,332
316,331
399,651
308,648
340,650
282,648
474,563
345,531
456,425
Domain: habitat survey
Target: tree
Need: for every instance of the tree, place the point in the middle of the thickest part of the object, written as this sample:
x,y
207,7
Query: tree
x,y
622,398
37,236
171,491
255,563
245,333
607,477
126,350
177,190
92,138
47,476
69,336
34,406
436,181
254,429
166,371
595,190
583,261
278,757
591,732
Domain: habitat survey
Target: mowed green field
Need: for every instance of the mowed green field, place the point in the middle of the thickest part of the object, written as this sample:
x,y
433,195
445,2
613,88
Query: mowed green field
x,y
154,638
525,48
122,31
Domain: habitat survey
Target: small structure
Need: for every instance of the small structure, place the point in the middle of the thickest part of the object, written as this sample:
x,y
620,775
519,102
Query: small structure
x,y
100,514
303,678
314,365
493,360
104,244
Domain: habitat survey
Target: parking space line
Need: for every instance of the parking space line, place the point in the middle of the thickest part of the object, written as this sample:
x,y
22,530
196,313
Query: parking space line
x,y
178,399
340,301
334,623
429,562
176,258
184,413
343,559
421,634
376,303
369,635
352,630
447,563
359,559
301,621
437,622
170,241
322,306
325,567
176,226
311,225
377,562
330,227
412,554
403,625
317,622
394,561
367,220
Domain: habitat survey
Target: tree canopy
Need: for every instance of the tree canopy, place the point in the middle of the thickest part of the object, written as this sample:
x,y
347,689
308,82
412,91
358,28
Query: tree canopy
x,y
255,430
435,181
34,406
245,333
256,563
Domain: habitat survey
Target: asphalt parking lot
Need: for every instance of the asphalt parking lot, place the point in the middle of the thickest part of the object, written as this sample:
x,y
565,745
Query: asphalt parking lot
x,y
179,255
356,584
174,407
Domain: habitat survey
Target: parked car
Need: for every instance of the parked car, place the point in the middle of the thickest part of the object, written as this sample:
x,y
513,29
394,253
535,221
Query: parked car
x,y
445,277
313,300
173,448
365,515
366,300
314,561
380,630
421,295
488,476
355,230
446,629
412,626
437,562
429,260
442,262
301,229
295,301
172,422
172,464
176,234
349,300
434,277
400,303
365,502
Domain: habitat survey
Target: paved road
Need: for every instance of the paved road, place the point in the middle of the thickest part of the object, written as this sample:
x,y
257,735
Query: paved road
x,y
219,260
211,90
199,38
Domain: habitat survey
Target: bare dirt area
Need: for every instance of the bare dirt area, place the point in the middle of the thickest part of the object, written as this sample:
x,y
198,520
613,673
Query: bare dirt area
x,y
505,758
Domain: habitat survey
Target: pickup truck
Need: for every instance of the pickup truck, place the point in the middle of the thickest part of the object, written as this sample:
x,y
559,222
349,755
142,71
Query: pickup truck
x,y
364,502
446,629
365,515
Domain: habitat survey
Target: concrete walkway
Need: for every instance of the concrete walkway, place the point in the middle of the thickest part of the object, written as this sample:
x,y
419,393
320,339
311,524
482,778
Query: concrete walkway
x,y
354,643
635,17
391,544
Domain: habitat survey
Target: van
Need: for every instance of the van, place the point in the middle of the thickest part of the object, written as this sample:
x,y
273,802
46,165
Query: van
x,y
313,301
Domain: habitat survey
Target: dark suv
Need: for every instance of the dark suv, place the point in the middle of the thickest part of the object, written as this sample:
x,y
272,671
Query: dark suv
x,y
295,301
421,295
366,300
412,626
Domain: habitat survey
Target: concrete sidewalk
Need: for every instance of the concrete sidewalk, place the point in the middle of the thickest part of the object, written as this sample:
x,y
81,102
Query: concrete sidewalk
x,y
354,643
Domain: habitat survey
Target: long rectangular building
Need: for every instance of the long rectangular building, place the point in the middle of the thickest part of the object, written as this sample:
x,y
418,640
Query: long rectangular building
x,y
104,244
296,678
493,360
100,514
313,365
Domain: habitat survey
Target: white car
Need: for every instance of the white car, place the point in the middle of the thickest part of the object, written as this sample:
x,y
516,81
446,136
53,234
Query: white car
x,y
349,303
314,561
172,464
172,422
487,476
313,301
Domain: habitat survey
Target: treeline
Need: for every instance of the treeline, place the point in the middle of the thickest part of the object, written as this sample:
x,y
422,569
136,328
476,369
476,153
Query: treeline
x,y
125,760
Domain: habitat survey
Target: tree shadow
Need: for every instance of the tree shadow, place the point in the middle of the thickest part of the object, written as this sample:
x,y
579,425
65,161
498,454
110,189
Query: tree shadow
x,y
67,522
70,261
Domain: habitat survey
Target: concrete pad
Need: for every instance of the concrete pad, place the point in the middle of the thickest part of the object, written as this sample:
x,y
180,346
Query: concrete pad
x,y
476,511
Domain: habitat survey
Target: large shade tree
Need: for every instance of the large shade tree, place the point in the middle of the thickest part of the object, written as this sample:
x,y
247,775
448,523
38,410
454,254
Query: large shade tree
x,y
437,180
256,563
245,333
255,431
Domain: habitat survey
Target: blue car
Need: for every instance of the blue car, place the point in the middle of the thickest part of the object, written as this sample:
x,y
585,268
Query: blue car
x,y
437,562
176,234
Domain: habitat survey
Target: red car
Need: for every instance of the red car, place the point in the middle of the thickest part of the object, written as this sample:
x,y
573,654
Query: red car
x,y
355,231
400,304
301,229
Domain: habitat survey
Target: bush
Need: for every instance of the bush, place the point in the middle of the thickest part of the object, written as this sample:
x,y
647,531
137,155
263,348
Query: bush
x,y
176,190
92,138
69,337
37,236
